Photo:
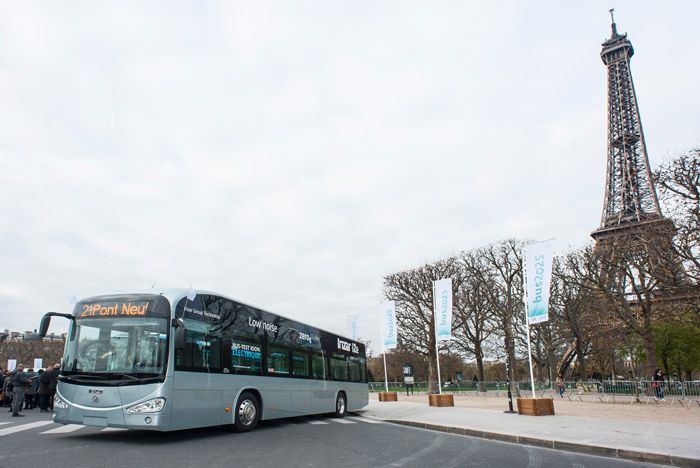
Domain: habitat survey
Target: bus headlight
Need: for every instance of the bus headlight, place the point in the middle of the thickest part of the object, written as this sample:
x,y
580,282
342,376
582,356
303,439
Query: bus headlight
x,y
59,403
155,405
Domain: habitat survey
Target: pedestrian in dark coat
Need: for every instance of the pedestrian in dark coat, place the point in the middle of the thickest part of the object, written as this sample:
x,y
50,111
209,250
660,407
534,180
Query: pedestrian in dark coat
x,y
659,385
7,389
53,382
43,391
30,391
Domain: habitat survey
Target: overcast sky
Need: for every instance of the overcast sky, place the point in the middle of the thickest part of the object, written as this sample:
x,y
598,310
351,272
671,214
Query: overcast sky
x,y
291,154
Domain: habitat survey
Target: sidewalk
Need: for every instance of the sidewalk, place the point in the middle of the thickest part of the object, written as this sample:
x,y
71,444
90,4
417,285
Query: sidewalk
x,y
650,441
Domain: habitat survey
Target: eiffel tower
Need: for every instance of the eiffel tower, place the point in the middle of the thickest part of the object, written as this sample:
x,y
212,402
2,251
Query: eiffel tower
x,y
631,205
632,222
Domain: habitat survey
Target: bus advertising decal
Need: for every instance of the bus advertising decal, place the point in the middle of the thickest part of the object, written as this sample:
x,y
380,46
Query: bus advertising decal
x,y
258,323
348,346
201,314
246,351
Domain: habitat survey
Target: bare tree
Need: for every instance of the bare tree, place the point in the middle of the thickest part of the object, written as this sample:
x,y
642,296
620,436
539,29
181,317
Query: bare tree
x,y
413,292
504,272
474,310
25,351
575,305
631,277
678,183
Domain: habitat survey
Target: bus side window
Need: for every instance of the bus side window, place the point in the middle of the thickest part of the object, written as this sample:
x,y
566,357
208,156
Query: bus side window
x,y
277,359
201,353
318,365
339,368
354,367
300,362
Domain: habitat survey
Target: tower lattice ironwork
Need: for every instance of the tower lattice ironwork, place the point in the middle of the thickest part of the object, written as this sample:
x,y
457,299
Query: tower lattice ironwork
x,y
632,222
630,197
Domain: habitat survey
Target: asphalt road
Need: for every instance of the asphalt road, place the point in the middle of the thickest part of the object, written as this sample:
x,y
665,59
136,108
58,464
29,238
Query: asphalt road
x,y
35,441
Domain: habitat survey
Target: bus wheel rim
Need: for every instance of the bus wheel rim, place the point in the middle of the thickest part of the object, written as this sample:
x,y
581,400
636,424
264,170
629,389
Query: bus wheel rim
x,y
246,412
341,405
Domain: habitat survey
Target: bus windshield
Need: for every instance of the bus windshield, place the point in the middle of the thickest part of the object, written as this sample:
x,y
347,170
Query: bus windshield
x,y
116,348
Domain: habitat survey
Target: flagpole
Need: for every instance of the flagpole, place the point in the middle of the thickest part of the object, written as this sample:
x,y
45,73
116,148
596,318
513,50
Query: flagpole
x,y
529,355
437,354
386,379
437,350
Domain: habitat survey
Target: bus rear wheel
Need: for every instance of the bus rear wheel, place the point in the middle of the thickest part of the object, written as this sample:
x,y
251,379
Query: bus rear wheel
x,y
247,413
341,406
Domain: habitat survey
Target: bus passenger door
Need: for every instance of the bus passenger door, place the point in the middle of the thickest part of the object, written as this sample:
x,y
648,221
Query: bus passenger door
x,y
197,383
322,390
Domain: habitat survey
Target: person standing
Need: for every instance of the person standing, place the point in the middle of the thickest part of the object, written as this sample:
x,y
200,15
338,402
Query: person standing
x,y
30,391
53,382
659,385
7,389
561,385
19,380
43,391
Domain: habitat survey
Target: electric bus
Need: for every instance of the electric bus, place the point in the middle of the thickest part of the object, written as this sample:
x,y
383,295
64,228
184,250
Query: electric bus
x,y
179,360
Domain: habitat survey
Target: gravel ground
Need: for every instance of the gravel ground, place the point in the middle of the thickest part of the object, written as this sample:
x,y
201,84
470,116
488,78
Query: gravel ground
x,y
651,411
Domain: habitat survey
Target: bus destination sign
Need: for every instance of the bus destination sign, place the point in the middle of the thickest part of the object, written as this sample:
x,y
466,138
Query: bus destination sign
x,y
112,309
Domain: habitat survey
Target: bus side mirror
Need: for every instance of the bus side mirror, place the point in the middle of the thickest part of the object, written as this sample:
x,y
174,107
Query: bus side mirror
x,y
46,321
44,326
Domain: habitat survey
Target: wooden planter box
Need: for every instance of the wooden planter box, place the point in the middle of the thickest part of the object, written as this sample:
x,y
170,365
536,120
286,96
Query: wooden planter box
x,y
388,396
445,399
536,406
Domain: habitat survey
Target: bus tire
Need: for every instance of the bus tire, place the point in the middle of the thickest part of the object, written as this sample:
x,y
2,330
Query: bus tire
x,y
246,413
341,405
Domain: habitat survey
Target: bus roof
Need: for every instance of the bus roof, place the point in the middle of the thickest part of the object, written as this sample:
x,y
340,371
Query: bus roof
x,y
174,295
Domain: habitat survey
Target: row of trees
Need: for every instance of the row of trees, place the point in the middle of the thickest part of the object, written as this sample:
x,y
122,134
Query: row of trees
x,y
25,351
634,296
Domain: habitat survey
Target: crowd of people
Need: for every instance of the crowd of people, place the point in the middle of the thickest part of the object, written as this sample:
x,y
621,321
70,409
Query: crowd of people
x,y
27,390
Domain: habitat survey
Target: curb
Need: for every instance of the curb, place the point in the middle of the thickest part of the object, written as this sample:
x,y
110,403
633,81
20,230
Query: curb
x,y
610,452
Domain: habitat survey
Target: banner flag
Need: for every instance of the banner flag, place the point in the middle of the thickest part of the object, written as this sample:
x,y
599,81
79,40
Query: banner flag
x,y
538,268
38,363
352,325
11,364
389,329
442,298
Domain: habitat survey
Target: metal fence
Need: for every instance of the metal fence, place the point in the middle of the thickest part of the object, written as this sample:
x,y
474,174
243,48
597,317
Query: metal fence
x,y
606,391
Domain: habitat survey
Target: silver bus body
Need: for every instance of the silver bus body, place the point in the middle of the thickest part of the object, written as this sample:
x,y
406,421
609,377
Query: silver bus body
x,y
196,398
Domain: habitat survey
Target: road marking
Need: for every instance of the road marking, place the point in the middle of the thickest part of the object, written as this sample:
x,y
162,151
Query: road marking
x,y
23,427
317,422
64,429
1,423
367,420
342,421
112,429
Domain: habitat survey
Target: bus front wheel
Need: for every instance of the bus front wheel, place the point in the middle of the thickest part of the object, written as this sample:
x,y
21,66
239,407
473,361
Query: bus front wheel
x,y
341,406
247,412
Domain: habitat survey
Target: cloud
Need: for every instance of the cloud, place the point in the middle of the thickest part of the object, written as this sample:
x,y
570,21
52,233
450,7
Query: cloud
x,y
290,155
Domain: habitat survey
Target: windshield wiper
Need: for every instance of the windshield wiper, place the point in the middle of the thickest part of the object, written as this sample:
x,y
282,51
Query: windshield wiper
x,y
121,376
103,376
81,375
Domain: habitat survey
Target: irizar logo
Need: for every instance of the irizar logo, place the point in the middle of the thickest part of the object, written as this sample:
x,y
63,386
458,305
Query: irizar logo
x,y
347,346
96,391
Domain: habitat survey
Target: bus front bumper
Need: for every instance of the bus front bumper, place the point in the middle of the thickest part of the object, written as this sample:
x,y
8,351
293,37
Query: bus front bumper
x,y
116,417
